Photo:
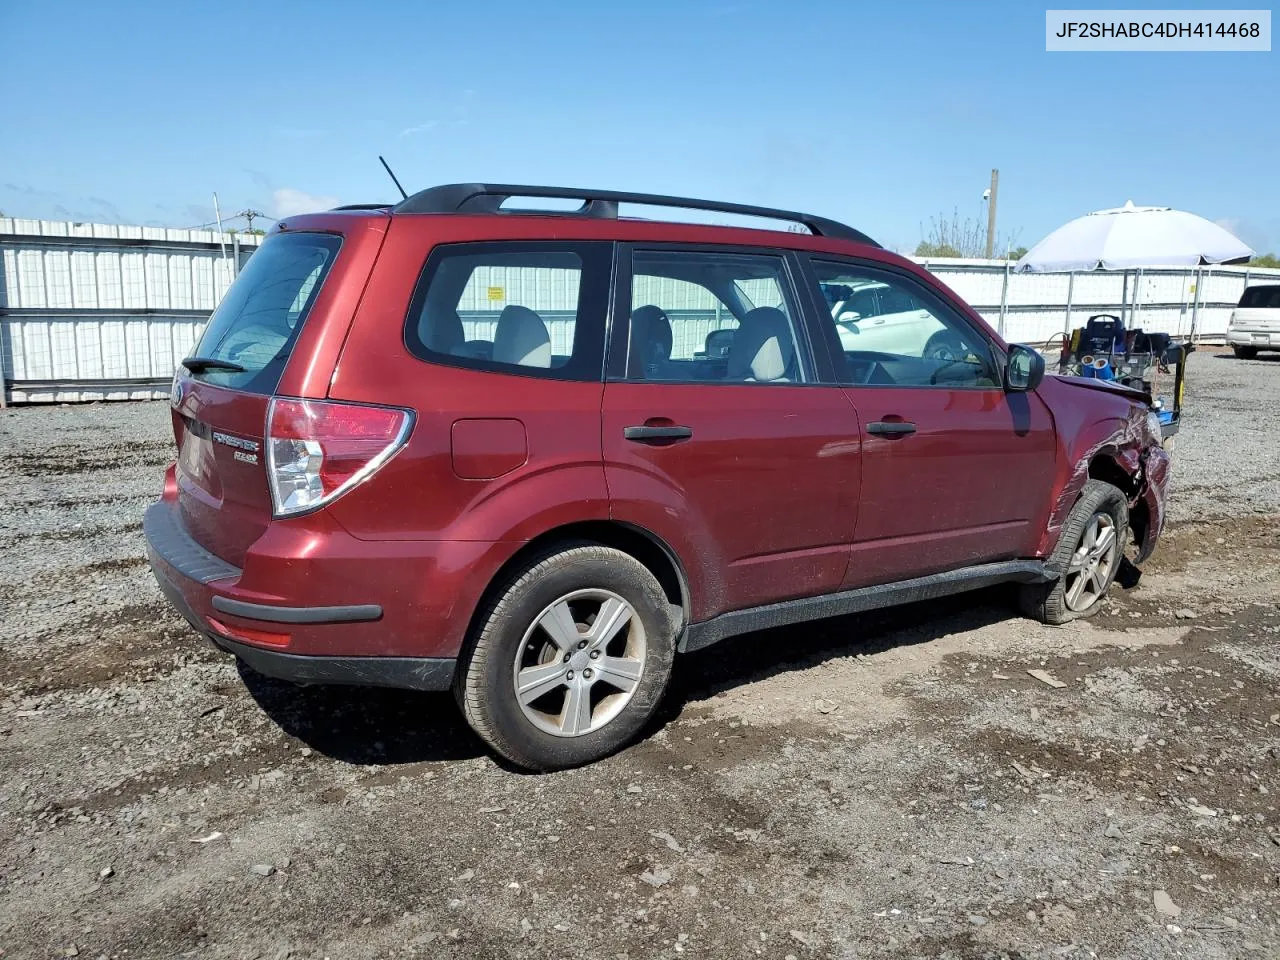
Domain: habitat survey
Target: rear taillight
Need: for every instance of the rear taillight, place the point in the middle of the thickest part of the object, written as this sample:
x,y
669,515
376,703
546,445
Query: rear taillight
x,y
317,450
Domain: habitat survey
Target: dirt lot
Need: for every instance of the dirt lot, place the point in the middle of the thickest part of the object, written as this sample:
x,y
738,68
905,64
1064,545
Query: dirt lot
x,y
894,785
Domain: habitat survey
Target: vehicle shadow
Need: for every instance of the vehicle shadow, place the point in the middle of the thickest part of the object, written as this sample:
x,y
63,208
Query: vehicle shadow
x,y
1273,357
758,656
366,725
382,727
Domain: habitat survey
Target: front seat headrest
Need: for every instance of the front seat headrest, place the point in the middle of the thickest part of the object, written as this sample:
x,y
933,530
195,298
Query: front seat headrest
x,y
651,338
763,348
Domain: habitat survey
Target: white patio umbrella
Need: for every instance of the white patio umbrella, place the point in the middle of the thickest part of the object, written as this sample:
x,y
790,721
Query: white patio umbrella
x,y
1129,236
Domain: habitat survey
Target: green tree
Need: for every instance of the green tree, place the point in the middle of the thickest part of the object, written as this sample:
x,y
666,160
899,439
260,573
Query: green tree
x,y
927,248
1017,253
1265,260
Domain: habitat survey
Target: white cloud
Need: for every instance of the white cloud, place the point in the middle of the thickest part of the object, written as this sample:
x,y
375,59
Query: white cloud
x,y
1261,233
288,202
419,128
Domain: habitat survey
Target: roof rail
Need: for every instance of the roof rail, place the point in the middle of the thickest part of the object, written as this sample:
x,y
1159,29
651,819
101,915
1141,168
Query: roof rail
x,y
363,206
489,198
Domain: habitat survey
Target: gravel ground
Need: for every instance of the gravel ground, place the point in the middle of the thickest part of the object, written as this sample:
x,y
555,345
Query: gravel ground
x,y
889,785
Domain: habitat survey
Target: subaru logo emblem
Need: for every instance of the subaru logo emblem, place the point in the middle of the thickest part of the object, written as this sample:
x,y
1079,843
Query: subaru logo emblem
x,y
176,391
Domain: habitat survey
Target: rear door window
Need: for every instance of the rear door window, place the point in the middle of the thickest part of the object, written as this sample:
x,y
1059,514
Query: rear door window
x,y
533,308
713,317
258,321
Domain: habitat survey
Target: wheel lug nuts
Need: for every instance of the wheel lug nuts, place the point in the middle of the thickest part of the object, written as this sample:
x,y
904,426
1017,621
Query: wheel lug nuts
x,y
582,644
587,673
569,675
595,654
566,658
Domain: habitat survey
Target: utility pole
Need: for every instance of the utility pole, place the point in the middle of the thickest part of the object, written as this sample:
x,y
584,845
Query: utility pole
x,y
217,216
991,213
249,215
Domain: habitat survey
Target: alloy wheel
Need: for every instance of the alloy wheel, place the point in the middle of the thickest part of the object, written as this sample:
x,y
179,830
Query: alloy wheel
x,y
579,662
1090,567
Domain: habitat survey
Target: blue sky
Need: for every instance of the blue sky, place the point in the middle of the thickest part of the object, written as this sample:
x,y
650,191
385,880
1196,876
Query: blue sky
x,y
884,115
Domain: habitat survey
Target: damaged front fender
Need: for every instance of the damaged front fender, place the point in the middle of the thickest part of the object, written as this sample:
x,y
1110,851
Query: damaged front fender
x,y
1151,497
1107,439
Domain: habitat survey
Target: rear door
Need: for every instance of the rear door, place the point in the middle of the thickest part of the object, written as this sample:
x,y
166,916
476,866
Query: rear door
x,y
219,403
719,434
954,470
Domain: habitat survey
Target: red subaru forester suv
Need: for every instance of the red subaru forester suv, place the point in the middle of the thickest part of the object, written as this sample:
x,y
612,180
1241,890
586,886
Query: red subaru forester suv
x,y
530,455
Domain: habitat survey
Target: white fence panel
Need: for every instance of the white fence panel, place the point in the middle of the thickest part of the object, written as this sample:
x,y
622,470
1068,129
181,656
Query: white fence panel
x,y
93,311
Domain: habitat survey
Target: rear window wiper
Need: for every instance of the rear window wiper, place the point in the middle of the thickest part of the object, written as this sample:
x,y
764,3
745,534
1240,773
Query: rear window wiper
x,y
197,364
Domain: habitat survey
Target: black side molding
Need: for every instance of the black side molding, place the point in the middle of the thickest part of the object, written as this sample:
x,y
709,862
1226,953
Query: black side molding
x,y
404,673
699,635
350,613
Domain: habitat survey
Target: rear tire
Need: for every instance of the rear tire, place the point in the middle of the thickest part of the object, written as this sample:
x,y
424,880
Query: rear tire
x,y
1245,353
1089,552
569,659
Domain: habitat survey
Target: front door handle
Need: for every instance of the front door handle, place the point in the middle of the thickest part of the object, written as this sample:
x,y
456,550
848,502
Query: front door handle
x,y
891,428
663,434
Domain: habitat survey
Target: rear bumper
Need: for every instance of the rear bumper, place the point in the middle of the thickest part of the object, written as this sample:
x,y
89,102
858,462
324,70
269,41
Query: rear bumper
x,y
198,584
1262,339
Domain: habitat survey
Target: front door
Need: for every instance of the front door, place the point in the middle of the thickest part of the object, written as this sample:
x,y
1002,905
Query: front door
x,y
716,435
954,470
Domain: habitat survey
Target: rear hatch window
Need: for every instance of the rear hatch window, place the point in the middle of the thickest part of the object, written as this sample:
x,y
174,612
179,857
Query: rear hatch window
x,y
1261,298
258,321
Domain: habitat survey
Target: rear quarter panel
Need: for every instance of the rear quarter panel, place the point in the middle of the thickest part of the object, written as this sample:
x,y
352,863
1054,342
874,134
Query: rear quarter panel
x,y
430,493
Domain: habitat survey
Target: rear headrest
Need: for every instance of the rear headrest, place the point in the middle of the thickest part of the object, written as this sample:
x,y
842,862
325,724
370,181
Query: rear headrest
x,y
521,338
651,337
763,348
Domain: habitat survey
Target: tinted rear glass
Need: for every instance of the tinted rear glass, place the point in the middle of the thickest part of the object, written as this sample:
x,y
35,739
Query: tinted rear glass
x,y
262,314
1261,297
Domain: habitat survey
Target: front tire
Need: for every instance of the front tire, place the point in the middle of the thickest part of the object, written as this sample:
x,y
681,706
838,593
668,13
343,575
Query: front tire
x,y
570,659
1245,353
1090,549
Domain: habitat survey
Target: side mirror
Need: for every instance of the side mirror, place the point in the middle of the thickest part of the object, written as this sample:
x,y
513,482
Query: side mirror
x,y
1024,369
718,343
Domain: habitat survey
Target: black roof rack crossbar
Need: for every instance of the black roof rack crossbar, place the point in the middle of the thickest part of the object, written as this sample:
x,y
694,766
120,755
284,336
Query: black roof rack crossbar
x,y
489,198
364,206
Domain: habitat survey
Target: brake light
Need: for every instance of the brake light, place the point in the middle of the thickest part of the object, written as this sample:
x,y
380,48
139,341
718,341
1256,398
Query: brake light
x,y
317,450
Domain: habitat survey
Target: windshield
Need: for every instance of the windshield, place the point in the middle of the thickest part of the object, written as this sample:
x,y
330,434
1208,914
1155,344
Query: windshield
x,y
259,319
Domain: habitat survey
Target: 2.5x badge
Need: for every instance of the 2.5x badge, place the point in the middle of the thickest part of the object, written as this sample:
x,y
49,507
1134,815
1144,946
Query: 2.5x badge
x,y
245,451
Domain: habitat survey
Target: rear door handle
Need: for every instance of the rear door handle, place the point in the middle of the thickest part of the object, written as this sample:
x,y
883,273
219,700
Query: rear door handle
x,y
891,428
647,434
